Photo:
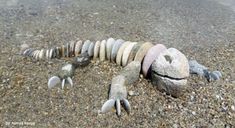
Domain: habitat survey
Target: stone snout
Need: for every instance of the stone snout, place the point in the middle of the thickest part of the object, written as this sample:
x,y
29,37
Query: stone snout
x,y
170,71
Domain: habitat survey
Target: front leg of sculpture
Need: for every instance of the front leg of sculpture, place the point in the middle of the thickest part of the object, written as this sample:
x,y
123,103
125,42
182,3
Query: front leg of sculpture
x,y
67,71
63,76
117,95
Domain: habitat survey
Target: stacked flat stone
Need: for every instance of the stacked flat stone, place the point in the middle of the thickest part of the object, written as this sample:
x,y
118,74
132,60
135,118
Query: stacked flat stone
x,y
118,51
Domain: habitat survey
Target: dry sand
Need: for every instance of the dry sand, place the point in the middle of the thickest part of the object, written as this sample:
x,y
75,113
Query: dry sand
x,y
202,30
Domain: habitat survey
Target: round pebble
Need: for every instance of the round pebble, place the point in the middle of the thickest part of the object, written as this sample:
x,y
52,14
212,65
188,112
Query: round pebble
x,y
109,46
120,52
78,47
142,51
96,49
150,56
116,46
127,52
85,46
91,49
102,50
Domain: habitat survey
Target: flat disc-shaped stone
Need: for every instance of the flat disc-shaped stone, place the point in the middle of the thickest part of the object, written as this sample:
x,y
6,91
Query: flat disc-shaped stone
x,y
67,50
151,55
117,44
33,53
51,53
91,49
109,46
142,51
58,52
63,51
126,53
72,46
133,52
85,46
36,56
102,50
41,54
120,52
47,53
96,49
78,47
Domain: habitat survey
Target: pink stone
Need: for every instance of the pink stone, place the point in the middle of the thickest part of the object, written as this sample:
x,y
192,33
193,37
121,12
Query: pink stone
x,y
151,55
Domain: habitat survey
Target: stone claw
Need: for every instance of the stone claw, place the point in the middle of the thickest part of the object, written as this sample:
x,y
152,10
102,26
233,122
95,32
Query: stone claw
x,y
111,102
54,80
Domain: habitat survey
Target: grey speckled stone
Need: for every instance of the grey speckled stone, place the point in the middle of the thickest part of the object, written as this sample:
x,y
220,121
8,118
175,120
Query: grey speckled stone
x,y
116,46
173,87
85,46
170,71
134,50
131,72
171,63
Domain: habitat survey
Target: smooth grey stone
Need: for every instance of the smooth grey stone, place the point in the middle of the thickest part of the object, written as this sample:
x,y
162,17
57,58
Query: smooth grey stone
x,y
78,47
91,49
215,75
116,46
218,73
85,46
196,68
109,46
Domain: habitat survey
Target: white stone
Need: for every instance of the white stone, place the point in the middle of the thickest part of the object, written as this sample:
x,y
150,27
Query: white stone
x,y
102,50
109,46
96,49
127,52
